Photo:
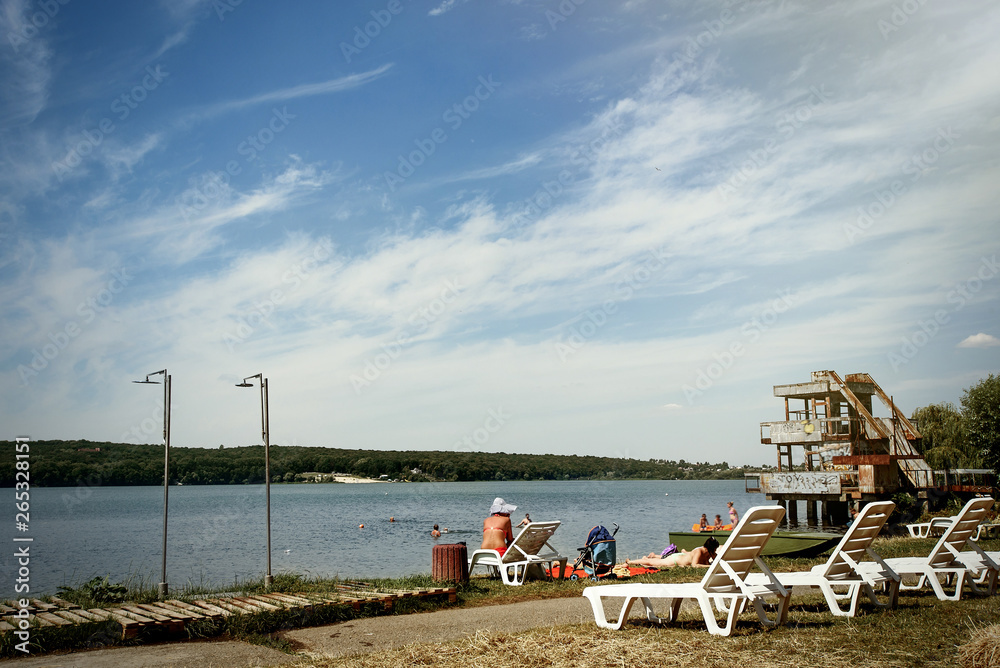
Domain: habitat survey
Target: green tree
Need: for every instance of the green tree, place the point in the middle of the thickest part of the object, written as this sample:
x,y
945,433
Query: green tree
x,y
981,413
944,444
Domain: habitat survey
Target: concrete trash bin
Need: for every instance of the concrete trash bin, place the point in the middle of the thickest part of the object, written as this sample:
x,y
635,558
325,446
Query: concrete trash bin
x,y
450,562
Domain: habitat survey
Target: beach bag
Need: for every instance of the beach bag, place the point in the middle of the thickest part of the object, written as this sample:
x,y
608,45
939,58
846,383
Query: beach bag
x,y
667,552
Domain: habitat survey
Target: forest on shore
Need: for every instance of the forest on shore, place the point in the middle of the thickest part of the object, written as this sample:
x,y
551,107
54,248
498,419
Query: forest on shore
x,y
70,463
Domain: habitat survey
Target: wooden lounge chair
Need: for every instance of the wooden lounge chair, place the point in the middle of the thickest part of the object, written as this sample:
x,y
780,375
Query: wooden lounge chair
x,y
842,570
525,551
948,562
724,585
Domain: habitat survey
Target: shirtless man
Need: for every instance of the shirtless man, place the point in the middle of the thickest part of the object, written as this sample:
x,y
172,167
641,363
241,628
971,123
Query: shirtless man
x,y
497,531
435,532
699,557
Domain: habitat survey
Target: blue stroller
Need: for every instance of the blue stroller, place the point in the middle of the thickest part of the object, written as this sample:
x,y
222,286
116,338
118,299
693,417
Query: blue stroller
x,y
597,557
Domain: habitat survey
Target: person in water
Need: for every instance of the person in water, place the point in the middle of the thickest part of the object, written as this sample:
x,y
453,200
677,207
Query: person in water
x,y
497,531
699,557
525,522
718,522
435,532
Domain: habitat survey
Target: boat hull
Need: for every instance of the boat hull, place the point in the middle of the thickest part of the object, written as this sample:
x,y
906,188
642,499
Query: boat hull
x,y
782,543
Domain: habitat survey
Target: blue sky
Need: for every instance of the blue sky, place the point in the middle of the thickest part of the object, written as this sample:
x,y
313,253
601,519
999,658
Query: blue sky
x,y
505,225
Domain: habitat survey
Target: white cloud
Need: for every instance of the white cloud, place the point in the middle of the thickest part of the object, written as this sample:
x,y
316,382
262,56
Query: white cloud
x,y
979,340
445,6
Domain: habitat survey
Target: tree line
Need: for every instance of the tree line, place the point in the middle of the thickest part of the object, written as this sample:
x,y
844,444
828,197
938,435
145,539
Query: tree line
x,y
69,463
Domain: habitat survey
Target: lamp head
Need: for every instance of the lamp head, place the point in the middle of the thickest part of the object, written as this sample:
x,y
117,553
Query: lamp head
x,y
244,384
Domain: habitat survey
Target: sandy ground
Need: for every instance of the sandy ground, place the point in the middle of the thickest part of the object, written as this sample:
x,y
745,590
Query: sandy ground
x,y
351,478
356,636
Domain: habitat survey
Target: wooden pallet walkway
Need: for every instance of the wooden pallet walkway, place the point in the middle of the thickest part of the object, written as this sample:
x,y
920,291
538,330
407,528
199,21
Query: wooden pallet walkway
x,y
173,615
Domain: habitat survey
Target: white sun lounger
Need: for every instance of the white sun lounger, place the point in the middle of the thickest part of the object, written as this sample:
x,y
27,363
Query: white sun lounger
x,y
949,562
525,551
724,585
841,572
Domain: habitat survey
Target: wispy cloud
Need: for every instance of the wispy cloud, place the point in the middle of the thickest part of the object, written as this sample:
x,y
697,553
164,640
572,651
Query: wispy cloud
x,y
304,90
24,65
445,6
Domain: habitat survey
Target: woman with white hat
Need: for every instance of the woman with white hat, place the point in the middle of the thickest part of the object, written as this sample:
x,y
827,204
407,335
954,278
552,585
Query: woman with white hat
x,y
497,532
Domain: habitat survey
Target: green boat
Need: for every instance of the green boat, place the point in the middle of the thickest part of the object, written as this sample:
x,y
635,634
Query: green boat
x,y
783,543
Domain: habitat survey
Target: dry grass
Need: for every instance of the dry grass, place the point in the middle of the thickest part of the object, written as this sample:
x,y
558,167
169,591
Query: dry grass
x,y
983,651
923,632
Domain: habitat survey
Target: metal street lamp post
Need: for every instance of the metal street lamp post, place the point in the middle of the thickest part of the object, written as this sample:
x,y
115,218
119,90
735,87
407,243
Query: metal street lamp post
x,y
166,464
264,426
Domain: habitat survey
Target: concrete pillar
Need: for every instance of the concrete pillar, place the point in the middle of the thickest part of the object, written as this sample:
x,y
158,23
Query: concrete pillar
x,y
811,518
793,512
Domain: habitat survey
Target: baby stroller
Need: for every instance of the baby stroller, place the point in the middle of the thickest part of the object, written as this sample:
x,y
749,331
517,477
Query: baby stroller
x,y
597,557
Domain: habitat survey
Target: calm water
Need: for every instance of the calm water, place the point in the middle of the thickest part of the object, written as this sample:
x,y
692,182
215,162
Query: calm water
x,y
216,534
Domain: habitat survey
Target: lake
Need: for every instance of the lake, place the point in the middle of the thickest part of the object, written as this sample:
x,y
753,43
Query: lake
x,y
216,534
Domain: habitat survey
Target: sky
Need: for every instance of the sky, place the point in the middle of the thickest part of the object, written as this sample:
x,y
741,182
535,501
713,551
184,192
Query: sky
x,y
523,226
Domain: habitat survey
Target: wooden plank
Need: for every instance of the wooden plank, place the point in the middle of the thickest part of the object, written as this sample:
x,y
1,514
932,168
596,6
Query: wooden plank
x,y
141,611
171,611
160,614
6,609
263,598
257,606
228,604
131,616
43,606
42,621
53,619
195,610
276,599
293,600
65,605
72,617
214,609
4,626
89,615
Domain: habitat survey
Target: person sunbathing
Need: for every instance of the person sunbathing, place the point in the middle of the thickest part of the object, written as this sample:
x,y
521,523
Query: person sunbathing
x,y
699,557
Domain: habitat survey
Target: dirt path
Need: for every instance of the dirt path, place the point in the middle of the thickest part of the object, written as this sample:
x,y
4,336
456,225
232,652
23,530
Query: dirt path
x,y
375,634
356,636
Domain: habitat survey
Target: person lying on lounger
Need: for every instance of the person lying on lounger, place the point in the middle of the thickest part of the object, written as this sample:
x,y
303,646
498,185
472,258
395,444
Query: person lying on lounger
x,y
699,557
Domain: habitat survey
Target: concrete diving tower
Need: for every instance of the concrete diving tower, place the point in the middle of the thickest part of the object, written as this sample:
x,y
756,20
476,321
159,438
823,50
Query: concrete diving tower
x,y
833,451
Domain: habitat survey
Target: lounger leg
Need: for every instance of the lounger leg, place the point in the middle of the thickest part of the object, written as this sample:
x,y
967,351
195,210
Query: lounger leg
x,y
597,603
673,609
781,615
833,599
939,590
733,607
989,578
892,595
